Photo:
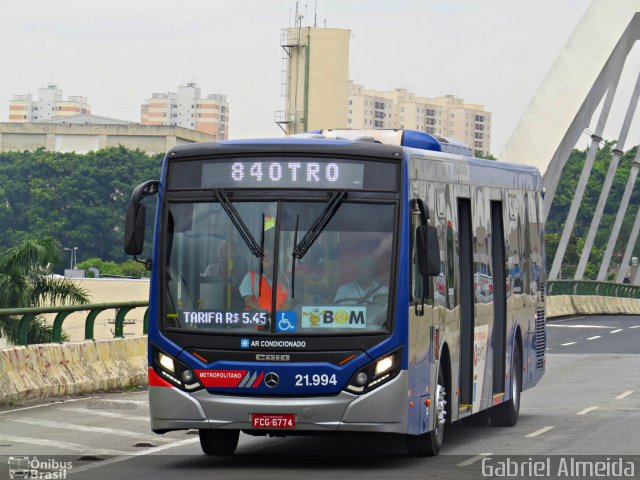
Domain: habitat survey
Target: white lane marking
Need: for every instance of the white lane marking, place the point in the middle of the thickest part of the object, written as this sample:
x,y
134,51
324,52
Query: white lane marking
x,y
143,403
149,451
577,326
82,428
473,460
567,344
586,410
74,447
47,404
635,326
616,331
538,432
624,395
90,412
108,398
593,338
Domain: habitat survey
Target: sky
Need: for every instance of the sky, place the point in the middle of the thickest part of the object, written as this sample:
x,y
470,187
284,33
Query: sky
x,y
117,53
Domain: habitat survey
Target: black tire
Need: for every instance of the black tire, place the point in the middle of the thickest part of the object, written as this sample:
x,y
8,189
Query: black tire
x,y
506,414
428,444
219,442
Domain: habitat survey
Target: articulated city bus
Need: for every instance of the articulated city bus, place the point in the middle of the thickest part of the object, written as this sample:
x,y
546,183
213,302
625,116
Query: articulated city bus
x,y
368,282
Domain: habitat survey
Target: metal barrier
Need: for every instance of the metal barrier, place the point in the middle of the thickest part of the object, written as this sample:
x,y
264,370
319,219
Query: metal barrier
x,y
594,288
27,315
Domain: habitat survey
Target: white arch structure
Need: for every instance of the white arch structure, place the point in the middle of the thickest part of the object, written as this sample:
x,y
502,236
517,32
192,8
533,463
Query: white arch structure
x,y
588,68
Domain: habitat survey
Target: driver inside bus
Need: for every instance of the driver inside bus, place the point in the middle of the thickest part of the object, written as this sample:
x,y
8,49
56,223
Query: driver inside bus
x,y
257,291
364,288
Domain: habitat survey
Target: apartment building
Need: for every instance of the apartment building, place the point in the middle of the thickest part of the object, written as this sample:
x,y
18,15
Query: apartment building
x,y
445,116
368,109
49,105
188,109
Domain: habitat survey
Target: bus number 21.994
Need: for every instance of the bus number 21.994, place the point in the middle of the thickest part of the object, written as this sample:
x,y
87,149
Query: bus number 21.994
x,y
315,380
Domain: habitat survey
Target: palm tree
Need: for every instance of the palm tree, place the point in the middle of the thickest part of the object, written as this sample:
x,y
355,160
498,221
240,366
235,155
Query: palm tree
x,y
25,281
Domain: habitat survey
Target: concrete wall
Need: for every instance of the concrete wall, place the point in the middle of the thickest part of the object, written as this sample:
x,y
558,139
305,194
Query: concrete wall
x,y
564,305
55,370
328,78
67,137
324,91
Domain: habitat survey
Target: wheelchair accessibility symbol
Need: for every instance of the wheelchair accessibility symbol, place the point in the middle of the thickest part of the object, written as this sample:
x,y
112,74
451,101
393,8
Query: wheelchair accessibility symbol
x,y
286,321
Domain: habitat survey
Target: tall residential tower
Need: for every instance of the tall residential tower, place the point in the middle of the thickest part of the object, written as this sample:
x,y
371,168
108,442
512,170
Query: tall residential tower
x,y
49,105
187,108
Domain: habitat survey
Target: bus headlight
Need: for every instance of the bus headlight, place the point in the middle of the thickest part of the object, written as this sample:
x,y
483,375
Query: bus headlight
x,y
375,374
384,365
166,362
175,372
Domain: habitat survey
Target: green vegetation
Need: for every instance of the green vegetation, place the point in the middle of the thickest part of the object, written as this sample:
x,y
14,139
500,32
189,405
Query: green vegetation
x,y
130,268
562,203
79,200
479,154
25,281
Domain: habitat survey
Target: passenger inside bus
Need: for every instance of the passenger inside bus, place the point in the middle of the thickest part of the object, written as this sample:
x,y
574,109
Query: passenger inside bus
x,y
256,288
364,288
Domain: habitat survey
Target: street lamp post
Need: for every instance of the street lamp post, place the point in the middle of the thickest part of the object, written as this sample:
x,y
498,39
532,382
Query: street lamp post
x,y
73,261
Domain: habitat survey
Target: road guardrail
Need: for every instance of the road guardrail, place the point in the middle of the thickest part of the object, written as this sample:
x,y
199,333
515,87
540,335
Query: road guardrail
x,y
593,288
27,315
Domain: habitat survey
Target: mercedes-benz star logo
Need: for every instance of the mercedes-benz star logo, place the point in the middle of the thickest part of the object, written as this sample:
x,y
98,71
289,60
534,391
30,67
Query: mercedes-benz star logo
x,y
271,379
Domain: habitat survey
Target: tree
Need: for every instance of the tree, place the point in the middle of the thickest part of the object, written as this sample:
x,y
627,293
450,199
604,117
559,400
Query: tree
x,y
79,200
25,281
488,156
130,268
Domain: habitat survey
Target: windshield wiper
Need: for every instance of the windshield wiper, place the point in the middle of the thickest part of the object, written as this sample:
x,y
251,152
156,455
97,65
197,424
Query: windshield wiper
x,y
300,249
293,259
235,218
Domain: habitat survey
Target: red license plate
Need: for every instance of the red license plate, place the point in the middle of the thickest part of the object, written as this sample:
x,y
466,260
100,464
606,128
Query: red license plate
x,y
273,421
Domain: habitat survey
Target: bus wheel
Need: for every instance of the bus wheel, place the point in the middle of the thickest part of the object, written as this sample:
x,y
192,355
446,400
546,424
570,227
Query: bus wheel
x,y
506,414
219,442
428,444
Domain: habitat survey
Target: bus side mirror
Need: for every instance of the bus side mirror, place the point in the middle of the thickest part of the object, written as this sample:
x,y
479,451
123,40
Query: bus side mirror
x,y
134,223
428,251
134,229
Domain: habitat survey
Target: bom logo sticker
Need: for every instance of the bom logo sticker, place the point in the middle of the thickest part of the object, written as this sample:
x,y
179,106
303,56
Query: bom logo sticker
x,y
334,317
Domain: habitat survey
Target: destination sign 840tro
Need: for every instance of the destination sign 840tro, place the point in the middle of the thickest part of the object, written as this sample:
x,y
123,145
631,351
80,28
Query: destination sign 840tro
x,y
283,173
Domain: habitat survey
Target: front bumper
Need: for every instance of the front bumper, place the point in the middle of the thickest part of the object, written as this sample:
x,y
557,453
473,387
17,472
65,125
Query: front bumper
x,y
381,410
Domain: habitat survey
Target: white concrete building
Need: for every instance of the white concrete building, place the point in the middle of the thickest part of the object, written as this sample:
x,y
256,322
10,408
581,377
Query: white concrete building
x,y
446,116
49,105
188,109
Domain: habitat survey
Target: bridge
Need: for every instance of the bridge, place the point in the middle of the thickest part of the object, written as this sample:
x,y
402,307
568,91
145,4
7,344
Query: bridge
x,y
584,81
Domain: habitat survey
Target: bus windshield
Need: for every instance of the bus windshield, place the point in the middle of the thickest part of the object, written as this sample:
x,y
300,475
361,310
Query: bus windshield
x,y
337,283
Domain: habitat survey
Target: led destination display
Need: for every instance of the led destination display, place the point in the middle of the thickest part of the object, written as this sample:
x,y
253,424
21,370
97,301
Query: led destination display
x,y
291,172
283,174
